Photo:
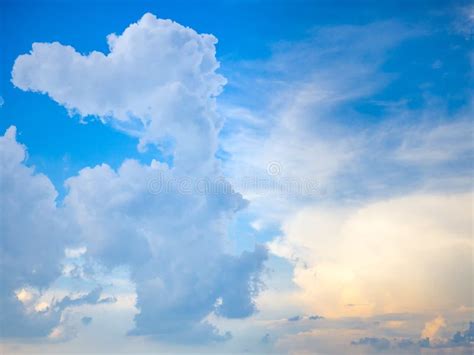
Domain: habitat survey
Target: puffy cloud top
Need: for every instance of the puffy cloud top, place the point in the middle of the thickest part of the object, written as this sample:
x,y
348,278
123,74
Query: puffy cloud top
x,y
158,81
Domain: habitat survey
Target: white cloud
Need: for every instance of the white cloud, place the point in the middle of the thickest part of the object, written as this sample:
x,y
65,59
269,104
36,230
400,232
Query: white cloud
x,y
431,144
34,235
74,252
30,198
163,238
158,82
464,21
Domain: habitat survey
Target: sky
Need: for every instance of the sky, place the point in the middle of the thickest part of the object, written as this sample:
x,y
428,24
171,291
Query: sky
x,y
266,177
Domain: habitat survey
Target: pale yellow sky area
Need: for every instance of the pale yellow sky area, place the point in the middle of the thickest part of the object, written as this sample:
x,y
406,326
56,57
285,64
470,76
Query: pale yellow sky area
x,y
406,254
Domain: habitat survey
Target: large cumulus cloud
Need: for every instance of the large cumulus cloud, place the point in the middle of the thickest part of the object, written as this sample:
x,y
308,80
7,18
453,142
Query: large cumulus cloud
x,y
33,238
173,241
158,83
34,235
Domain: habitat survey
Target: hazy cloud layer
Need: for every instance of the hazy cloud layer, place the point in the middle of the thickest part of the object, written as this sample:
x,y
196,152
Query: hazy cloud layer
x,y
408,246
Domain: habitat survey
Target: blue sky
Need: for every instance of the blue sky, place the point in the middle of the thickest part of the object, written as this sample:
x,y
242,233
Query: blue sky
x,y
251,176
246,31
